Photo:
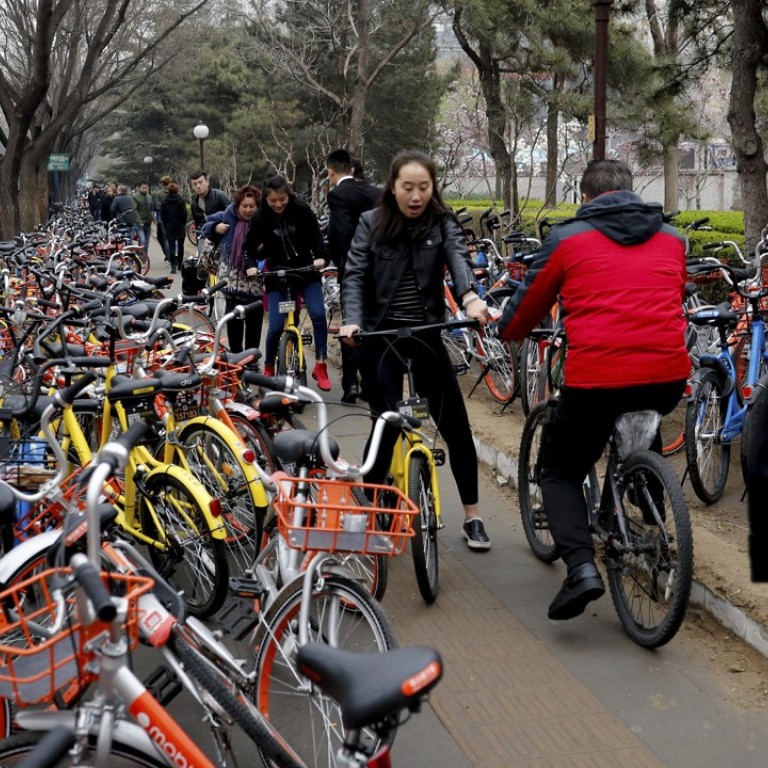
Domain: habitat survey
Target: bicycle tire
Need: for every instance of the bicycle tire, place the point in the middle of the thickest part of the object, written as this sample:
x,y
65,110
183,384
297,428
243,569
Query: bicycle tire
x,y
143,256
288,359
192,232
532,382
128,260
227,478
308,720
424,545
650,582
532,514
18,746
455,343
235,701
501,378
707,458
195,563
373,570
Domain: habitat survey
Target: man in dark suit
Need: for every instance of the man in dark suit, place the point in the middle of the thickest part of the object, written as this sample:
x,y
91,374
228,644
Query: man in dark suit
x,y
347,199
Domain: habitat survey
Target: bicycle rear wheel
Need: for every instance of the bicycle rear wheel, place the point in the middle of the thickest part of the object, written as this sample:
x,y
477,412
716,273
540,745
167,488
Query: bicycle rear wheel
x,y
501,378
193,319
424,549
532,514
343,615
191,560
215,463
332,299
707,458
651,570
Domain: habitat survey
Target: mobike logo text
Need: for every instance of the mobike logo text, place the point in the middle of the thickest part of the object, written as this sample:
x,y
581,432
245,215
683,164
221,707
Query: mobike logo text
x,y
163,742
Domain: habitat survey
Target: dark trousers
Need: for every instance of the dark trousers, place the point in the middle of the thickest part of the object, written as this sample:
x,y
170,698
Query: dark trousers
x,y
350,366
382,370
574,440
757,495
244,334
175,253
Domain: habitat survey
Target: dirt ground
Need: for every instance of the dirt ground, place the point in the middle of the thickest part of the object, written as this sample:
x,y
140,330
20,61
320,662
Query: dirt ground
x,y
720,555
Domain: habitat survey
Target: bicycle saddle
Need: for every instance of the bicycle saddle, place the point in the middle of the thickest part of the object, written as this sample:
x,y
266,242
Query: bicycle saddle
x,y
369,687
301,446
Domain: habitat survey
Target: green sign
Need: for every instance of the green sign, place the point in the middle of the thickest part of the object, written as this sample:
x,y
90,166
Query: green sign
x,y
58,162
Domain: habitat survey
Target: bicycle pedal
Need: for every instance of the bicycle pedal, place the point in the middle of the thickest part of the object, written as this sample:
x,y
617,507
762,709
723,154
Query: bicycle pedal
x,y
163,684
460,369
438,454
306,339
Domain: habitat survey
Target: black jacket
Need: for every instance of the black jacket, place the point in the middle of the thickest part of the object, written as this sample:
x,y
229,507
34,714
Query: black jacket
x,y
214,201
374,270
288,241
346,203
122,209
173,211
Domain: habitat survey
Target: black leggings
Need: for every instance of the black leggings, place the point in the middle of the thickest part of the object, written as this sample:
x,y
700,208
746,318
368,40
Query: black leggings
x,y
574,440
382,370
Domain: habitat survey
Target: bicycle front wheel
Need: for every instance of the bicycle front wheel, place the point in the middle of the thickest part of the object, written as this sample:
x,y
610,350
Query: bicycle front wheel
x,y
424,541
289,361
532,514
343,615
190,558
18,747
650,569
707,458
532,381
234,699
332,299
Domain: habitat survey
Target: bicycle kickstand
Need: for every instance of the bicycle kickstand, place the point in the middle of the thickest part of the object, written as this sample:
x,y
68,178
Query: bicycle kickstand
x,y
483,371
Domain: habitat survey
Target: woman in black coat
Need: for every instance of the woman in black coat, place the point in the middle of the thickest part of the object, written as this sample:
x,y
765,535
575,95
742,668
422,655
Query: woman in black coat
x,y
175,215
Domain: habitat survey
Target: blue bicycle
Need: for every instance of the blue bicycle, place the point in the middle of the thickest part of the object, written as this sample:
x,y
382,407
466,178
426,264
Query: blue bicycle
x,y
717,405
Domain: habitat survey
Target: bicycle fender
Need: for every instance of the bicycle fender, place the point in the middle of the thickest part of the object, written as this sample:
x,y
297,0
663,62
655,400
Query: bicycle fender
x,y
243,409
27,550
238,447
713,363
216,524
427,454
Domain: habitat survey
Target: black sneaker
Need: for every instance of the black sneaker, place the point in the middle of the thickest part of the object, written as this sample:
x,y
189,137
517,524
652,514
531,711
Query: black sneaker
x,y
474,533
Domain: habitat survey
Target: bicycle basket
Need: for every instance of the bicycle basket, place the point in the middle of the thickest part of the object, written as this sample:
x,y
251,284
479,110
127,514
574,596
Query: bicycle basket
x,y
332,520
33,668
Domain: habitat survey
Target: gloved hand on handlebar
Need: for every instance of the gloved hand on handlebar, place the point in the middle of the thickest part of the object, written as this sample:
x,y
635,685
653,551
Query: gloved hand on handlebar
x,y
346,332
475,307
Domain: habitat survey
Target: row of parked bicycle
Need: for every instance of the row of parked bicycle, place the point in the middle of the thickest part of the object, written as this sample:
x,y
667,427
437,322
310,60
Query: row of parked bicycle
x,y
213,501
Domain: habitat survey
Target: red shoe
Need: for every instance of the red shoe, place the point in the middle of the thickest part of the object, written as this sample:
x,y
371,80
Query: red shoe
x,y
269,369
320,375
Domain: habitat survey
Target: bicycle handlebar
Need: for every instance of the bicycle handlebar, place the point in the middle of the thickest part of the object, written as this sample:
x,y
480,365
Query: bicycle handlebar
x,y
340,467
409,330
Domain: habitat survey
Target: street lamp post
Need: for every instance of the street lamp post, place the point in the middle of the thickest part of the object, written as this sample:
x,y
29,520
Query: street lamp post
x,y
602,14
201,134
148,163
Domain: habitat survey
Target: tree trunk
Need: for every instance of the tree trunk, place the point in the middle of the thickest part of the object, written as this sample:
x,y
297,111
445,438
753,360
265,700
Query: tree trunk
x,y
553,116
360,94
750,45
671,175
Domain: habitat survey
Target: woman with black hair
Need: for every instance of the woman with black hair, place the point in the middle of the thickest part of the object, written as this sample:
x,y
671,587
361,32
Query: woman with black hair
x,y
286,234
